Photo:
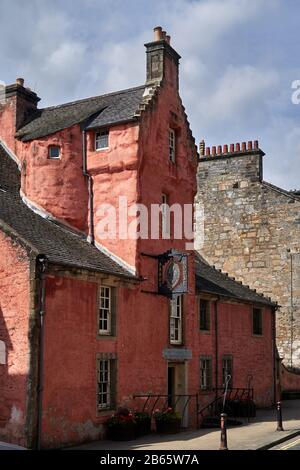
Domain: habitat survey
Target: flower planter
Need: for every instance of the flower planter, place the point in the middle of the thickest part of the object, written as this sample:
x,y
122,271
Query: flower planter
x,y
122,432
168,427
143,427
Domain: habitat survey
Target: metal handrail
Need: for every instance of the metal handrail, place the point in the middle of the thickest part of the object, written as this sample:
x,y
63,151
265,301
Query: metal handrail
x,y
166,398
228,394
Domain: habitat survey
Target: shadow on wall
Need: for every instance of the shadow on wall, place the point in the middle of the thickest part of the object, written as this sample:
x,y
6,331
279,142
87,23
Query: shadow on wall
x,y
11,416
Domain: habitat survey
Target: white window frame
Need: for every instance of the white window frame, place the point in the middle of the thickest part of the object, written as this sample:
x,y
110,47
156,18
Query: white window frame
x,y
176,310
98,136
226,360
54,146
104,384
172,145
105,310
205,372
165,217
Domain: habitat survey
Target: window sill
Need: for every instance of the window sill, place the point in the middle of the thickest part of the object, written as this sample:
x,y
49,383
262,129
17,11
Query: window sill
x,y
100,150
106,335
257,335
205,332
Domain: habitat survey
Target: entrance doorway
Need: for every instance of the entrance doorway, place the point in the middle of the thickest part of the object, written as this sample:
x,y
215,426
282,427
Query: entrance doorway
x,y
177,386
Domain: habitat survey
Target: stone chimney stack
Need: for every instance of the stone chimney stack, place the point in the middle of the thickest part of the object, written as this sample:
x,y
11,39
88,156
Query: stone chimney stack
x,y
162,60
25,102
17,107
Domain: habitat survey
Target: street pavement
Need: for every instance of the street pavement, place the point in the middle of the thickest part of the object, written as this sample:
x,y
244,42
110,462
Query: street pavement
x,y
259,434
293,444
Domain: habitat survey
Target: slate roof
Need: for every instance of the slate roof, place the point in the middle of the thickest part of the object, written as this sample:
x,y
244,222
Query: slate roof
x,y
103,110
212,281
59,244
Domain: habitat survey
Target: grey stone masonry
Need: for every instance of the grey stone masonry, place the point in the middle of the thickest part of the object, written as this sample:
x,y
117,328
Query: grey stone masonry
x,y
251,229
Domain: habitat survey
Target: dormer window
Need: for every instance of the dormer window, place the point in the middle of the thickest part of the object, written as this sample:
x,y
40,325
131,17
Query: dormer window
x,y
54,152
172,145
101,141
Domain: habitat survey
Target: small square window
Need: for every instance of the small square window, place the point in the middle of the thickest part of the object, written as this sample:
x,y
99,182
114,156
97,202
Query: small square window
x,y
54,152
257,321
101,140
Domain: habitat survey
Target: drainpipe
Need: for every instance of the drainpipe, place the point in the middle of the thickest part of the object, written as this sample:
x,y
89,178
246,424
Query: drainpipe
x,y
216,346
276,376
91,237
41,267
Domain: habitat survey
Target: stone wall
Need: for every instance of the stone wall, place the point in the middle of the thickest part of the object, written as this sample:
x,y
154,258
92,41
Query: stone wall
x,y
247,230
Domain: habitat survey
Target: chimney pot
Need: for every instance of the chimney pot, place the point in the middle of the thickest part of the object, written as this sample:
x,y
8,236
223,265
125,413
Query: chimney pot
x,y
168,39
231,148
244,146
225,148
202,148
219,149
20,81
213,150
256,144
207,151
164,34
158,33
237,147
250,145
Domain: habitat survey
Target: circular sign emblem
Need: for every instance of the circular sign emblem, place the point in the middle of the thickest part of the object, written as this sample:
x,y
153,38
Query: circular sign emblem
x,y
173,274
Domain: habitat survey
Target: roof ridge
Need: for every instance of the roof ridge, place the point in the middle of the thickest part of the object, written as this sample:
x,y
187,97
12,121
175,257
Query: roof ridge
x,y
72,103
285,192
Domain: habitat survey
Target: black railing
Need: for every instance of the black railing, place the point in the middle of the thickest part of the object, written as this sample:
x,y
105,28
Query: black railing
x,y
151,403
234,401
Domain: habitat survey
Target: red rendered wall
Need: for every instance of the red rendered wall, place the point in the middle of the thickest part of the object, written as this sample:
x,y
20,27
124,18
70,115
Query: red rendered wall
x,y
14,313
71,346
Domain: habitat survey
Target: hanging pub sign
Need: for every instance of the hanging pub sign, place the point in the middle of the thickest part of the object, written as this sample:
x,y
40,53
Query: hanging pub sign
x,y
172,273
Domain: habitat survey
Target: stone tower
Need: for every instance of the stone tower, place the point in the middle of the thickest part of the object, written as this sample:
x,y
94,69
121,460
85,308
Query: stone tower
x,y
251,229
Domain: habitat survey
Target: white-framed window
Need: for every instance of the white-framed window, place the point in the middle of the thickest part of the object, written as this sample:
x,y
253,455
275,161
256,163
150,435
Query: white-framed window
x,y
106,378
205,372
101,140
176,309
165,218
54,152
227,370
172,145
105,310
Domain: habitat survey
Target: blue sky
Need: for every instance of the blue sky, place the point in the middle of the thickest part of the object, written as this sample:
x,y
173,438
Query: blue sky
x,y
239,59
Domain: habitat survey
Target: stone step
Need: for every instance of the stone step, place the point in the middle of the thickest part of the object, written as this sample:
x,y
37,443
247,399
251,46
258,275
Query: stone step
x,y
290,395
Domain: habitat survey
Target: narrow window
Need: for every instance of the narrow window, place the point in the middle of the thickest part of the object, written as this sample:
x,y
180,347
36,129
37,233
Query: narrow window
x,y
204,315
165,219
176,320
172,145
257,321
106,310
106,383
205,372
227,371
101,140
54,152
